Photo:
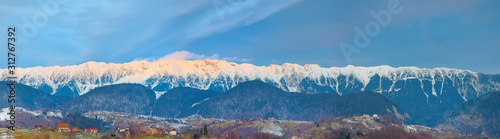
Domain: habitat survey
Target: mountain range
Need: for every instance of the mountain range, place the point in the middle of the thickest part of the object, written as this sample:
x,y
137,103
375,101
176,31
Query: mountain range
x,y
423,93
256,99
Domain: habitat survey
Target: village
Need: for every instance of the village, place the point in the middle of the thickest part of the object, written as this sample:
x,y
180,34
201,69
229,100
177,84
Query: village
x,y
66,130
123,125
120,131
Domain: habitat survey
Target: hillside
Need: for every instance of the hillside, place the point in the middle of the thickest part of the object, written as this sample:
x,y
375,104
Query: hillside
x,y
129,98
30,98
177,100
256,99
479,116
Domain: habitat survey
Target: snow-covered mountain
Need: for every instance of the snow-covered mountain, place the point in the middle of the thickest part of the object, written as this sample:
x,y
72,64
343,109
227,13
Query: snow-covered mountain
x,y
426,94
220,75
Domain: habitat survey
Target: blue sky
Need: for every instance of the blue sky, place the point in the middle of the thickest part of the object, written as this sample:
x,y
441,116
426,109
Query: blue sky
x,y
461,34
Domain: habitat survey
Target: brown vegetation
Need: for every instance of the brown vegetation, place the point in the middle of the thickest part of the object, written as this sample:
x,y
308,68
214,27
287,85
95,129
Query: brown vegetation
x,y
393,132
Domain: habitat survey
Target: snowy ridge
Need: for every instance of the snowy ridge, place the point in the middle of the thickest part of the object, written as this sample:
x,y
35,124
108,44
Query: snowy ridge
x,y
222,75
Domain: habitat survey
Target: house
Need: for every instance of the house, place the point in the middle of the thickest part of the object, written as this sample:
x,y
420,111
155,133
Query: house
x,y
63,127
119,129
76,130
172,133
156,131
151,131
272,119
38,127
122,132
145,131
48,128
91,130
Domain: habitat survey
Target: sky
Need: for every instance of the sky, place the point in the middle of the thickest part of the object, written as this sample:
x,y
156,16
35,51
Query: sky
x,y
463,34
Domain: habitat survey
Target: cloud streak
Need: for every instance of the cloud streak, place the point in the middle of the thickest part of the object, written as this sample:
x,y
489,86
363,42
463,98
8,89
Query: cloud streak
x,y
234,14
109,30
186,55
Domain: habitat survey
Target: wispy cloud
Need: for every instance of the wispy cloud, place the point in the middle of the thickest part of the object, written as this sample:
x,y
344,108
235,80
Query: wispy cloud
x,y
236,14
109,30
185,55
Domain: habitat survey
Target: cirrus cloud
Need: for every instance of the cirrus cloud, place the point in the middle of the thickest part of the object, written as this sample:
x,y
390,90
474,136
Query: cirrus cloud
x,y
186,55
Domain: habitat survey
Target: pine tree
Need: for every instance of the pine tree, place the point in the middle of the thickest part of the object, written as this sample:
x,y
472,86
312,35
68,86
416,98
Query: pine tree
x,y
205,130
359,133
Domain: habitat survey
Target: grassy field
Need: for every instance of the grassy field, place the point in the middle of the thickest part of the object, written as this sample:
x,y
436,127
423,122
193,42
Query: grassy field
x,y
31,134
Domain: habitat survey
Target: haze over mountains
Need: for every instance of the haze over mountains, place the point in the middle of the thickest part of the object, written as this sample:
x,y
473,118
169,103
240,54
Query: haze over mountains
x,y
425,94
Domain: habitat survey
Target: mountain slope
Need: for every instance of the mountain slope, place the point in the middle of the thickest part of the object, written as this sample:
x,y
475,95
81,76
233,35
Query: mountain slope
x,y
172,103
253,99
29,97
478,116
129,98
256,99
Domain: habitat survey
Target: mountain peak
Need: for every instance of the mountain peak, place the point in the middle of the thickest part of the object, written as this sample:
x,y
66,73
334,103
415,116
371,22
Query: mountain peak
x,y
220,76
